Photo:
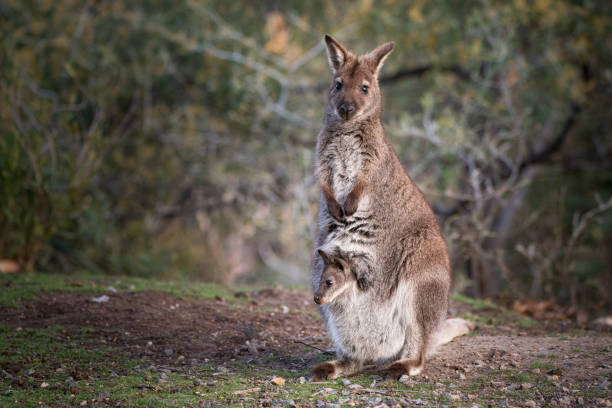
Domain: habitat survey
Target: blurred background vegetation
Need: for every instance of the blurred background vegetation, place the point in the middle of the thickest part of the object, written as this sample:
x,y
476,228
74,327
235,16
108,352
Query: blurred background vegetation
x,y
175,138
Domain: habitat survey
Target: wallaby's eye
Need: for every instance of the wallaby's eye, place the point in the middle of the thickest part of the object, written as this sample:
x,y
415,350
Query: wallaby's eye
x,y
338,85
364,88
329,282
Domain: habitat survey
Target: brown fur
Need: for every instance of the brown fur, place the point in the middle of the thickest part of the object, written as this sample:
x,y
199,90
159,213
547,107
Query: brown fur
x,y
395,224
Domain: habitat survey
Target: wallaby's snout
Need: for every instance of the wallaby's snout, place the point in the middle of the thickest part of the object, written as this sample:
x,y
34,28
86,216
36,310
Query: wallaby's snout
x,y
346,110
317,299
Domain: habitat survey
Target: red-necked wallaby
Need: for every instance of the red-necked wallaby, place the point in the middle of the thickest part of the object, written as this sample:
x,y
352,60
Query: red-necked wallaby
x,y
375,216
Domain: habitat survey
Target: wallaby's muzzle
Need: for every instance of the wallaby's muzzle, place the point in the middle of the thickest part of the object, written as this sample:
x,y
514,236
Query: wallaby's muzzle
x,y
346,110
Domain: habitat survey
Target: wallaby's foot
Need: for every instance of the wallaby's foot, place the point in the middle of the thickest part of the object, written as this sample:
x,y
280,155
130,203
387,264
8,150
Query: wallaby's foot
x,y
334,369
409,367
323,371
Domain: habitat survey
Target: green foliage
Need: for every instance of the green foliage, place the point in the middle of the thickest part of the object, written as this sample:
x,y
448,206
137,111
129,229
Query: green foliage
x,y
160,138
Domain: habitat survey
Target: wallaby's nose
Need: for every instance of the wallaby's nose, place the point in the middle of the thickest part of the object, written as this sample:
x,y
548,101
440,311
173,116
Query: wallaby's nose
x,y
317,300
346,110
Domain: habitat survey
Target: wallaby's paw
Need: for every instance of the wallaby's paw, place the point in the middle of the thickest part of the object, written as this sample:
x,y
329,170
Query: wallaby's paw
x,y
323,371
351,204
334,209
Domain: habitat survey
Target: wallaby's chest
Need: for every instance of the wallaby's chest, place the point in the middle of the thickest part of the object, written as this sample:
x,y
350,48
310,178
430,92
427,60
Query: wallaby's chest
x,y
343,158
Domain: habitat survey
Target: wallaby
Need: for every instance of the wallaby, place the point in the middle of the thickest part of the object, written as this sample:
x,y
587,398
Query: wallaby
x,y
379,219
335,279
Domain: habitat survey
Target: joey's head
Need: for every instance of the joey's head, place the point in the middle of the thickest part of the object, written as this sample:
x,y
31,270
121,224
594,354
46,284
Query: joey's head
x,y
354,93
335,279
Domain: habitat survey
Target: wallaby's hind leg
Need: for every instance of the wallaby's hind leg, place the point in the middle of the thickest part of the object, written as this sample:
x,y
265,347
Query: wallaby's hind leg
x,y
431,301
334,369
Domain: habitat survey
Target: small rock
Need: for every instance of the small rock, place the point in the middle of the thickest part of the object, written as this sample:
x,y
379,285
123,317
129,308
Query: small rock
x,y
44,385
530,403
513,387
83,403
30,371
453,397
355,386
100,299
478,363
345,382
168,352
418,402
404,379
114,374
301,380
197,382
278,381
111,289
462,376
284,309
526,386
604,385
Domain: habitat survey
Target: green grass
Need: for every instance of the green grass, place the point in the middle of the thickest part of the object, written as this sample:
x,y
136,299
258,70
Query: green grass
x,y
16,288
542,365
475,303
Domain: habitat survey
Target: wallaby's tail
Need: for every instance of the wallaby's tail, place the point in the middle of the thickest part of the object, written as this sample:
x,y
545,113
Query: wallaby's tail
x,y
449,329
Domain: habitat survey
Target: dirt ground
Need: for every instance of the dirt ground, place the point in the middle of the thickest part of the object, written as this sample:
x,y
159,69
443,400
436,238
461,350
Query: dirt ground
x,y
281,329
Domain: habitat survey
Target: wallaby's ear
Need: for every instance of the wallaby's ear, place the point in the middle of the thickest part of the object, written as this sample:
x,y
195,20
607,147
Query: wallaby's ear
x,y
336,53
379,54
324,256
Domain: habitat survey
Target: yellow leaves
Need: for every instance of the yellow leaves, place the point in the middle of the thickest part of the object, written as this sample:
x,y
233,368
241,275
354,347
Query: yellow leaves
x,y
278,33
543,6
414,13
366,6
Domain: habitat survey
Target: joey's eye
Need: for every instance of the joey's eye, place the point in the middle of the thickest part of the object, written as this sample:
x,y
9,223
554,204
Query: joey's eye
x,y
329,282
338,85
364,88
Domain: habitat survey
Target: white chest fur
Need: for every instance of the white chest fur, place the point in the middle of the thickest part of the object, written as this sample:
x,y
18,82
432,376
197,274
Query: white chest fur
x,y
370,330
345,164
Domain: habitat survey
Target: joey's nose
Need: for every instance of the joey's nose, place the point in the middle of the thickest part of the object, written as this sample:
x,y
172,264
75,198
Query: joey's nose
x,y
346,110
317,300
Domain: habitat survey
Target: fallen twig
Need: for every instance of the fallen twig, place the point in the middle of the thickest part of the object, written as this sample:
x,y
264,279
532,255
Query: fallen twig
x,y
310,345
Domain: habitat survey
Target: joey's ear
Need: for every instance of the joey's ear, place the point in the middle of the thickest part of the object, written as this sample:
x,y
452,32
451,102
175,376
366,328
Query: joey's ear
x,y
379,55
324,256
336,53
342,264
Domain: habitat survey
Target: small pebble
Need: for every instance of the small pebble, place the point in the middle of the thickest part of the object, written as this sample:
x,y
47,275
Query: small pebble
x,y
168,352
301,380
346,382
